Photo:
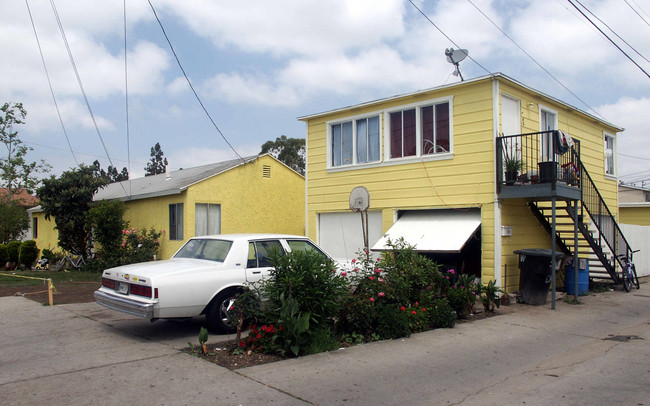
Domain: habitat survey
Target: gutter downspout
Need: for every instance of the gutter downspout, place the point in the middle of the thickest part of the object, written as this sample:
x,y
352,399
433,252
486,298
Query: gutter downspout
x,y
497,203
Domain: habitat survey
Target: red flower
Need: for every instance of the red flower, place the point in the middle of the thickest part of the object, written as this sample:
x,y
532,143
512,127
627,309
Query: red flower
x,y
402,308
372,278
372,299
424,310
414,312
344,273
353,261
380,294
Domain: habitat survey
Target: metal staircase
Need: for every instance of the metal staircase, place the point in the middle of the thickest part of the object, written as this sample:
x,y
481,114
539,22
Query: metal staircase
x,y
600,238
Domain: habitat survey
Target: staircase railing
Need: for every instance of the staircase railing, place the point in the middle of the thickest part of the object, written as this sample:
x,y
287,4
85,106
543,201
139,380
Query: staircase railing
x,y
609,232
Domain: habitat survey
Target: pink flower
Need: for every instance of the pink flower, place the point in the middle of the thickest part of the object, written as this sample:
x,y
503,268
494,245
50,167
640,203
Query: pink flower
x,y
379,280
372,299
380,294
372,278
344,273
447,277
414,312
356,269
377,270
402,308
424,310
163,231
417,304
354,261
452,271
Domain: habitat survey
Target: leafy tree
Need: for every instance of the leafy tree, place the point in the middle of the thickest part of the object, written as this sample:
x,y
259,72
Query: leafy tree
x,y
111,173
15,172
13,219
68,199
107,219
291,151
157,163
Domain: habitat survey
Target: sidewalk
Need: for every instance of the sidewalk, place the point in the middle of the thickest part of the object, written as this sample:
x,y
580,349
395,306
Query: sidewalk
x,y
594,353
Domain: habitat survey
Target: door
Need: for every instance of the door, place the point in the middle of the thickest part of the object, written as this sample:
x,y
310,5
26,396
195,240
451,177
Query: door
x,y
260,254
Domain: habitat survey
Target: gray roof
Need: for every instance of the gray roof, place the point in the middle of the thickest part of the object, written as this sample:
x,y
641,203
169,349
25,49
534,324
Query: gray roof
x,y
165,184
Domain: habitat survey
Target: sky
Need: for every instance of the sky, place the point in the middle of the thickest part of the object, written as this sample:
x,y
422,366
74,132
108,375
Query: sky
x,y
260,64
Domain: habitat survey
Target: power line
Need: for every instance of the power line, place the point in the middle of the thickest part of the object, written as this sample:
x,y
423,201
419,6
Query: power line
x,y
190,83
446,36
49,82
610,40
83,92
614,32
78,152
637,13
126,98
534,60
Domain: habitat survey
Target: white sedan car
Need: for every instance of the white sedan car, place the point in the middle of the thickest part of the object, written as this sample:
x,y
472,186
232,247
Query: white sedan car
x,y
203,277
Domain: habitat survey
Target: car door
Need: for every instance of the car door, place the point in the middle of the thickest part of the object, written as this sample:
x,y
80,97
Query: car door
x,y
259,262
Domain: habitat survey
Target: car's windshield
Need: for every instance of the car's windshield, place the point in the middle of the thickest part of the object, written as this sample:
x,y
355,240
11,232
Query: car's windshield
x,y
212,250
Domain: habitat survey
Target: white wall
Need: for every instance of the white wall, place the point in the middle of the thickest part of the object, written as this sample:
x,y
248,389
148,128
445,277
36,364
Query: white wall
x,y
639,239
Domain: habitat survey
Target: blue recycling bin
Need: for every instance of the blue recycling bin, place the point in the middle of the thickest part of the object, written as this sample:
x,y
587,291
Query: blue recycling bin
x,y
583,278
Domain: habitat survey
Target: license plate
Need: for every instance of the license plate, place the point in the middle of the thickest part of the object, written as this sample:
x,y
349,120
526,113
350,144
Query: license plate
x,y
122,287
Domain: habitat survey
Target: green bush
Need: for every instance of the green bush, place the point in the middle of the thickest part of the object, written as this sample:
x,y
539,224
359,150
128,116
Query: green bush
x,y
302,296
13,250
4,255
106,218
28,253
440,314
463,295
391,294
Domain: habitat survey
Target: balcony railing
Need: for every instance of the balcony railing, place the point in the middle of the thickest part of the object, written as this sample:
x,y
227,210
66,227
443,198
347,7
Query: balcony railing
x,y
539,157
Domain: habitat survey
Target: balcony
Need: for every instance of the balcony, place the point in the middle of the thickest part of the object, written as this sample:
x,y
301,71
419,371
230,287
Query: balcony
x,y
539,166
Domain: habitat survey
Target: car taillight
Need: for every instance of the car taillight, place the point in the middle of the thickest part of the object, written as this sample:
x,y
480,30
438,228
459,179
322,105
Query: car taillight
x,y
155,293
108,283
141,290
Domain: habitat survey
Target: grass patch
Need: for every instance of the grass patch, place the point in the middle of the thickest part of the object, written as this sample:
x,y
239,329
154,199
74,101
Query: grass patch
x,y
61,276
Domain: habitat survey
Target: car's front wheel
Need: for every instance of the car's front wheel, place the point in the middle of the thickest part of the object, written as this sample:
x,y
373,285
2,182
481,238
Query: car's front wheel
x,y
220,313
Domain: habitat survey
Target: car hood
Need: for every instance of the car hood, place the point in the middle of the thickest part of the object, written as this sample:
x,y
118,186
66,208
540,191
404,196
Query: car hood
x,y
155,269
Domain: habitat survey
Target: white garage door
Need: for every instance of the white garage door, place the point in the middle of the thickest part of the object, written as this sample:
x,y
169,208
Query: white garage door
x,y
341,236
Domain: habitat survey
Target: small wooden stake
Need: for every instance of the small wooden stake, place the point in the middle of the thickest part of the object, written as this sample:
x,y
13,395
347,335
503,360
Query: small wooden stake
x,y
49,292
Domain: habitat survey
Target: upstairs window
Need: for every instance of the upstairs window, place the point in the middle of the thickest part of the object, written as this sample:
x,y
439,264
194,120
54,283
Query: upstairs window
x,y
355,141
422,130
610,155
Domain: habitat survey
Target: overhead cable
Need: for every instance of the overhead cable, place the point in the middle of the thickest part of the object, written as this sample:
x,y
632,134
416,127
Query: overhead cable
x,y
49,82
534,60
637,13
448,38
190,83
81,87
610,40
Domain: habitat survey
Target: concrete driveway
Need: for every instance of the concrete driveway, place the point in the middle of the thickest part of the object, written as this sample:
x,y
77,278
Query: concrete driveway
x,y
596,353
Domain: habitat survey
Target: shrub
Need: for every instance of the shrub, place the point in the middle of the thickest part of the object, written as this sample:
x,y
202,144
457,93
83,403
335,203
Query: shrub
x,y
391,294
489,296
463,296
440,314
106,218
302,296
4,255
13,250
28,253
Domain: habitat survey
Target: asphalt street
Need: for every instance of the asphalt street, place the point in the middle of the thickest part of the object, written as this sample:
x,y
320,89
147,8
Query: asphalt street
x,y
595,353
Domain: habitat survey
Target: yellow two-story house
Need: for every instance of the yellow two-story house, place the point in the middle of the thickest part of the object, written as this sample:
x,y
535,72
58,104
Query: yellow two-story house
x,y
256,194
434,165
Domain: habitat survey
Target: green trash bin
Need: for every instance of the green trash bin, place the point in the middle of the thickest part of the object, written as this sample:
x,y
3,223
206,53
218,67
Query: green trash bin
x,y
535,276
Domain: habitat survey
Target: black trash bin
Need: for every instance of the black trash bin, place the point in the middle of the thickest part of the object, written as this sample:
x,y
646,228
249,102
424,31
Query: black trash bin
x,y
535,266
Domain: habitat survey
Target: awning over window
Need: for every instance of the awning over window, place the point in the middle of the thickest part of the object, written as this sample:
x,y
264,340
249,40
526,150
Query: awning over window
x,y
433,230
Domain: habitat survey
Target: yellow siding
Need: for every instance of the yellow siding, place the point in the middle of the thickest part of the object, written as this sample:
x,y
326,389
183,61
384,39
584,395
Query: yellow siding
x,y
635,215
250,203
47,236
464,181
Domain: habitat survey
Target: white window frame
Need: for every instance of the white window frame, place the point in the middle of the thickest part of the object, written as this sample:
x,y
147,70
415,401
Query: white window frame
x,y
613,159
419,156
354,163
549,154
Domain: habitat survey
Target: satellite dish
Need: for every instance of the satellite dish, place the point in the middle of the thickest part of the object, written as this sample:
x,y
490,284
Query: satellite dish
x,y
359,199
455,56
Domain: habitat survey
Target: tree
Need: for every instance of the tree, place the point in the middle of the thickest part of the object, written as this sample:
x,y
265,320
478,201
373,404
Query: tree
x,y
68,199
13,220
111,173
16,172
290,151
157,163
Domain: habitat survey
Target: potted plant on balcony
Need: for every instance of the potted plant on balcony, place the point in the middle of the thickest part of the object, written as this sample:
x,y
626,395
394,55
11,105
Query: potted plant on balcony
x,y
512,165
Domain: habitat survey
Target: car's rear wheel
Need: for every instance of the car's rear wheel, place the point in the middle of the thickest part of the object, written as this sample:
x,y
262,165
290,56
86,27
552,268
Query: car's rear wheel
x,y
221,311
